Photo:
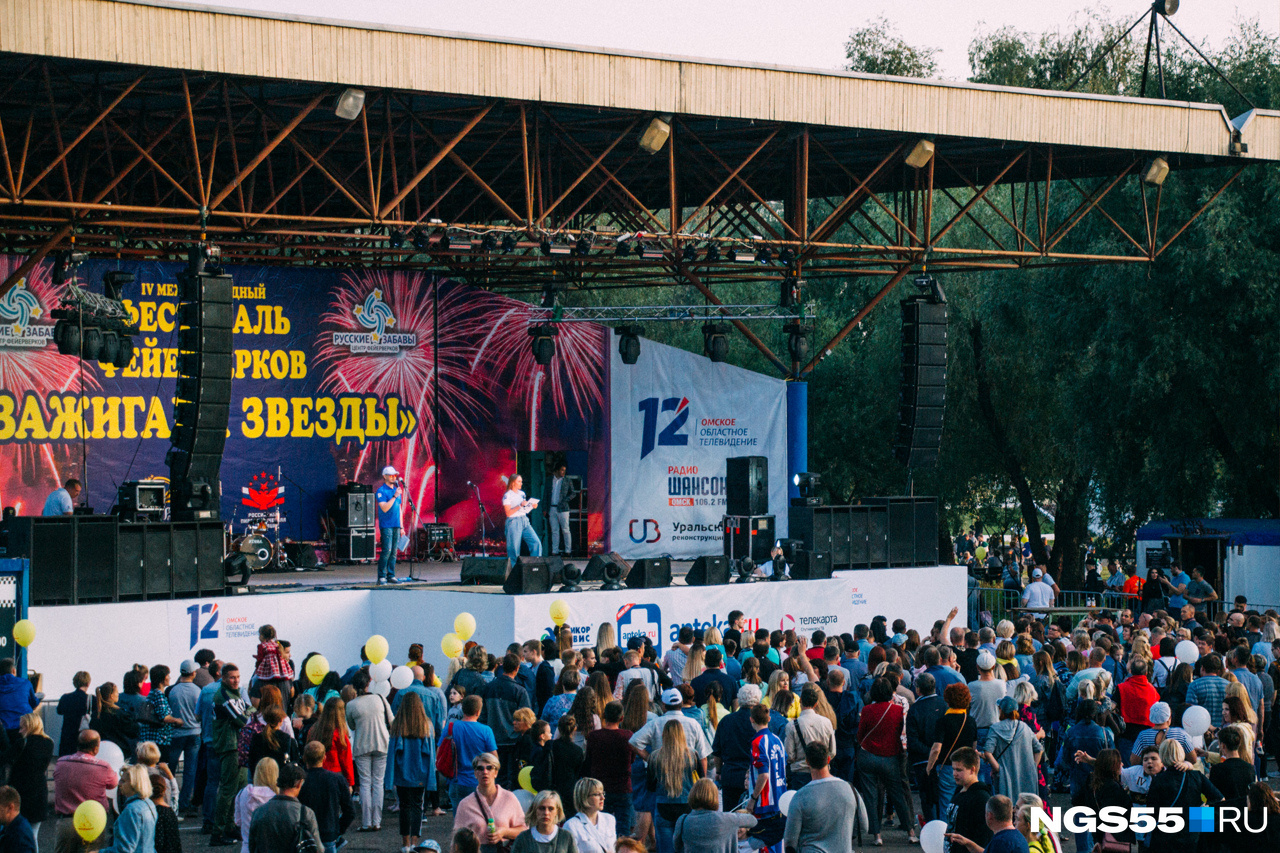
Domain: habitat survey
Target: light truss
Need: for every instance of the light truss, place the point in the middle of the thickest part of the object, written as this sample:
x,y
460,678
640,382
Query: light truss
x,y
664,313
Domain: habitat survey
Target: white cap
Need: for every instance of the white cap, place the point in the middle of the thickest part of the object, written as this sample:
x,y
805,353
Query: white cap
x,y
1035,573
390,470
986,661
672,698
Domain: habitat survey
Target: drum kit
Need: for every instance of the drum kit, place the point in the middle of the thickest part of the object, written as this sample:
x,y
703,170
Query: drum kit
x,y
266,551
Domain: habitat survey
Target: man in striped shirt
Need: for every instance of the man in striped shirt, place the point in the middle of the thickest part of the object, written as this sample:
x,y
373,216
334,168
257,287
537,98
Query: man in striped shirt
x,y
1161,715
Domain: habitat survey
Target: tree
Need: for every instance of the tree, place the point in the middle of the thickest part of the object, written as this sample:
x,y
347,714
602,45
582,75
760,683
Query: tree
x,y
878,49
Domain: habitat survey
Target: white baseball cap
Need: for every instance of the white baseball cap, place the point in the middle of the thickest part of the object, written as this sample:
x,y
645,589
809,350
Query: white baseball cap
x,y
671,697
391,471
986,661
1035,573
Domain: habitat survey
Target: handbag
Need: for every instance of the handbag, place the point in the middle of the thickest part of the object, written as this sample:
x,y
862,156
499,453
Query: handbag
x,y
447,755
304,841
1111,844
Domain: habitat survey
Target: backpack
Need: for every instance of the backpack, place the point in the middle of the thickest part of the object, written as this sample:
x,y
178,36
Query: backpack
x,y
447,755
1054,705
147,715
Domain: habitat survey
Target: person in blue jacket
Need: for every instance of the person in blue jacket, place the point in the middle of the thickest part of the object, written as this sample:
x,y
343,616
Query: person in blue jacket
x,y
17,835
412,757
17,697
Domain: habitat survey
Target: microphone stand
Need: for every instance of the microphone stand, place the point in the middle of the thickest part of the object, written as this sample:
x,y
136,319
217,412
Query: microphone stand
x,y
484,515
413,540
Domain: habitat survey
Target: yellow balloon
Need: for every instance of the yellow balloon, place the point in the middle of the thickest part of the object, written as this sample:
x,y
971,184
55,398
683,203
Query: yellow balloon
x,y
526,780
436,682
24,632
464,625
90,819
451,645
317,669
376,648
559,611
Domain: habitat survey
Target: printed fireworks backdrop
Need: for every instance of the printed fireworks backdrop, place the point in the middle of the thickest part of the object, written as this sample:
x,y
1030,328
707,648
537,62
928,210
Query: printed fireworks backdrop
x,y
338,373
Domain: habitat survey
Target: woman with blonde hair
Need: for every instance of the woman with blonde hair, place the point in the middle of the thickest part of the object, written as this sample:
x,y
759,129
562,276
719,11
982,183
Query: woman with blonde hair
x,y
544,834
606,638
251,796
695,663
672,772
29,756
713,639
134,830
594,829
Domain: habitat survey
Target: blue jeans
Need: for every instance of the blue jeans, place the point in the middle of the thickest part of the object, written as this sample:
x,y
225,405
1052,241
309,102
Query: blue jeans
x,y
214,764
946,787
619,805
520,530
457,792
185,747
984,769
665,831
387,556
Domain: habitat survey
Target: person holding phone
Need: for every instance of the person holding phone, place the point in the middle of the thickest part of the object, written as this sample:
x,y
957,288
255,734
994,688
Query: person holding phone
x,y
517,506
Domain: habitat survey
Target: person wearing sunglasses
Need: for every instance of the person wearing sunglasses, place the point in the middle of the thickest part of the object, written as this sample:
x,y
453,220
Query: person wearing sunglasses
x,y
493,813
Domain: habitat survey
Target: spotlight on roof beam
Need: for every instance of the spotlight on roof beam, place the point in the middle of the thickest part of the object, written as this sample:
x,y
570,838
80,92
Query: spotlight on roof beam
x,y
396,238
488,243
690,253
764,255
551,247
459,242
623,248
655,135
350,103
651,252
786,256
920,155
739,255
715,341
582,248
1157,170
713,252
1165,7
629,342
421,240
510,242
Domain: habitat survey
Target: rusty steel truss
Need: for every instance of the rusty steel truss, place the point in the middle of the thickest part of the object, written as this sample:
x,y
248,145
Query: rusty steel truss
x,y
139,162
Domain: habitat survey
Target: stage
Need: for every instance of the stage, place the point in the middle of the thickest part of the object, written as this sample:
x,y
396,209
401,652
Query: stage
x,y
334,612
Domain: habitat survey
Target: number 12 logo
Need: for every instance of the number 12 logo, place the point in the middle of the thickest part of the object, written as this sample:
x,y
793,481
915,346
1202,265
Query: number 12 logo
x,y
670,435
208,632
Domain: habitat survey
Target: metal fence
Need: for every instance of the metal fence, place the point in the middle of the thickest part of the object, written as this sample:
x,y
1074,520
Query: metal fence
x,y
999,601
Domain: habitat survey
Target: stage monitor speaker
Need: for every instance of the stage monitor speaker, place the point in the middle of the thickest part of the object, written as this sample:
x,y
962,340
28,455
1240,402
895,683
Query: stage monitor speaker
x,y
708,571
746,485
811,566
649,573
96,546
484,571
357,544
924,382
529,575
301,554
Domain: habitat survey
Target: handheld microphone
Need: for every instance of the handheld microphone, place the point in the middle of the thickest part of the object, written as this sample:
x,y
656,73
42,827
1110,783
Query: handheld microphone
x,y
469,483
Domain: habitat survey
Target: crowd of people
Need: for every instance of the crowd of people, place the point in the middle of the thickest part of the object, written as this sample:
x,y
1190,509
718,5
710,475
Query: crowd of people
x,y
729,737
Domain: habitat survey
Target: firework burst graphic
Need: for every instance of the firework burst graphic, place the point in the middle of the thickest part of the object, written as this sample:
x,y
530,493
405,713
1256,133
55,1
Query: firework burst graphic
x,y
574,381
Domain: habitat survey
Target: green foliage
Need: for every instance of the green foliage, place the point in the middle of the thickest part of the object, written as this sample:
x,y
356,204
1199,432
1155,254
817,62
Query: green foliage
x,y
878,49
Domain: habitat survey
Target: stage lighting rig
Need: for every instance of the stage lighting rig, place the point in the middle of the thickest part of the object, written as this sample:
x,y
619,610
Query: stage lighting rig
x,y
629,342
690,253
715,341
543,342
572,578
745,567
798,340
395,238
582,247
806,482
459,242
510,242
488,242
92,326
612,576
421,239
712,254
764,255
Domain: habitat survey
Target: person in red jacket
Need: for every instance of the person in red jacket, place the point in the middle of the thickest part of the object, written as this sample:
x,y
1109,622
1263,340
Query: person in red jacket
x,y
331,730
1134,698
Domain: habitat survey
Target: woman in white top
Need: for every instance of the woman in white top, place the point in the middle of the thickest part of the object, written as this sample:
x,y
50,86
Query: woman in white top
x,y
254,795
593,829
517,507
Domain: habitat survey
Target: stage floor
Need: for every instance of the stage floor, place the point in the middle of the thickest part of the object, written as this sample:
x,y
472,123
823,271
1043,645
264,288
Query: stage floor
x,y
418,575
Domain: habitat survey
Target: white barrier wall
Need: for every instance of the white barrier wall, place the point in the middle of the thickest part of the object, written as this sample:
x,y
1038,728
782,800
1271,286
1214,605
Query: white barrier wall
x,y
105,639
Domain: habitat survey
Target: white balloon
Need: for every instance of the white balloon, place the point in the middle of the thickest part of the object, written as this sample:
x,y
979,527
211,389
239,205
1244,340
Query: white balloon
x,y
524,798
784,802
380,671
1186,652
401,677
931,836
382,688
112,754
1195,720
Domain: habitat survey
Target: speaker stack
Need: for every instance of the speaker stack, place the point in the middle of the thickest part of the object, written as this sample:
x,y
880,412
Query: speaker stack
x,y
924,381
747,485
356,516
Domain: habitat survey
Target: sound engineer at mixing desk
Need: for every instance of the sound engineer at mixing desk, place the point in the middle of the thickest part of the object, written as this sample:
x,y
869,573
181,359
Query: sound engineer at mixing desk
x,y
62,501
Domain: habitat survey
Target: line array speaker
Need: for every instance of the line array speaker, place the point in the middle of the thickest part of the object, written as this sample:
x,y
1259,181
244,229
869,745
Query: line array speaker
x,y
202,406
708,571
924,382
746,485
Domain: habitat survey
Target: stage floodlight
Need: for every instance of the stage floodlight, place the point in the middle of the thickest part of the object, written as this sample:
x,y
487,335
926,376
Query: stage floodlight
x,y
395,238
786,256
421,240
110,353
622,248
746,568
920,155
582,248
713,253
236,565
690,253
656,134
629,342
572,578
1165,7
350,103
488,242
806,482
798,340
612,576
764,255
739,255
459,242
556,248
510,242
1157,170
126,352
92,343
715,341
543,343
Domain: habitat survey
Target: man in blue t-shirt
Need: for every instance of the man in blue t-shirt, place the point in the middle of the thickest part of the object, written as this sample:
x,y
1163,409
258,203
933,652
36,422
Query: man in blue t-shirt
x,y
767,776
389,513
470,738
1175,587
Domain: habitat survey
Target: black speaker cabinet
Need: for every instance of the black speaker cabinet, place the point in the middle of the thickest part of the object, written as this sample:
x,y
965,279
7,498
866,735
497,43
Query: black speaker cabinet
x,y
355,509
95,558
157,558
747,485
131,561
649,573
357,544
529,575
50,545
926,532
210,576
484,571
910,526
859,540
749,536
811,566
708,571
301,554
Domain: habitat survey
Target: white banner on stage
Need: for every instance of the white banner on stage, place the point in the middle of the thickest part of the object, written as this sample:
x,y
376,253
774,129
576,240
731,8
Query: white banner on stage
x,y
675,418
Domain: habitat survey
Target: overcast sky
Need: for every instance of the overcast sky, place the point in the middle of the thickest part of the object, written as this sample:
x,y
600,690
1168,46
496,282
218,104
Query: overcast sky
x,y
783,32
